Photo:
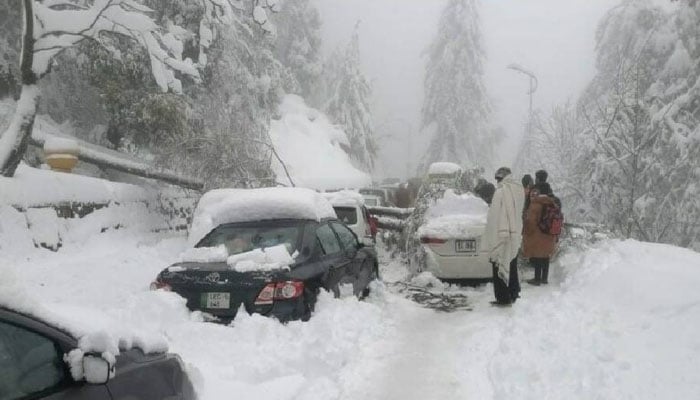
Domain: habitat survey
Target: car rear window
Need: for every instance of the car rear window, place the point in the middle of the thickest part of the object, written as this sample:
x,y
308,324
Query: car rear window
x,y
242,238
371,201
346,215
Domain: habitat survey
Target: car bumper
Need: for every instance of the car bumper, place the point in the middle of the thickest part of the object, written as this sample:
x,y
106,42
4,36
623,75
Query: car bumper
x,y
458,266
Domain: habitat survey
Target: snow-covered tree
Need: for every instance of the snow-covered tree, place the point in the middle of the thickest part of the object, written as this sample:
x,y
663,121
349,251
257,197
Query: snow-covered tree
x,y
228,143
51,27
456,106
643,134
555,146
348,102
298,45
10,29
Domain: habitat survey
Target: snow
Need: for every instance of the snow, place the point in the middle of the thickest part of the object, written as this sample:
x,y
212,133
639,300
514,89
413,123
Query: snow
x,y
34,187
224,206
619,319
25,109
203,255
61,145
347,198
455,216
312,149
268,259
443,168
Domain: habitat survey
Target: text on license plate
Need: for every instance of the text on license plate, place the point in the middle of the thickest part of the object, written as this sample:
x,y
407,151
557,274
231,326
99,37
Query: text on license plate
x,y
216,300
465,246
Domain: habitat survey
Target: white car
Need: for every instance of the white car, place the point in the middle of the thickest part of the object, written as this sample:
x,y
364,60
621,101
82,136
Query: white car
x,y
451,238
372,200
350,208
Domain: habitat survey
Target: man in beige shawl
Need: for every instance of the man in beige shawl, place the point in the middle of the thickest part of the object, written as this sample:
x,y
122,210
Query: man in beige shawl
x,y
503,236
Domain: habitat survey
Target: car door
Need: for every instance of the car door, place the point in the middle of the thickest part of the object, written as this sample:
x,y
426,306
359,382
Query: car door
x,y
333,258
32,366
358,272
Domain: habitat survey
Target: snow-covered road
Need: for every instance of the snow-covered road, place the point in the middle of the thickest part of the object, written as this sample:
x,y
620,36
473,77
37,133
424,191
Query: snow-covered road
x,y
621,320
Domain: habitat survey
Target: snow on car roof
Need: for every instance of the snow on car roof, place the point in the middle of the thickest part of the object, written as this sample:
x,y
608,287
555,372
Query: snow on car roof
x,y
345,198
441,168
225,206
94,331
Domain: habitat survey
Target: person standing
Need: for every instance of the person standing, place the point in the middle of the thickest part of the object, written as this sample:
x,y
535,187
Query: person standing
x,y
503,236
538,246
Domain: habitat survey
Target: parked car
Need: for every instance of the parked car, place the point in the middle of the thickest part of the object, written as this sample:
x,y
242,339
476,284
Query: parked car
x,y
268,251
451,238
33,365
372,200
443,234
381,193
350,208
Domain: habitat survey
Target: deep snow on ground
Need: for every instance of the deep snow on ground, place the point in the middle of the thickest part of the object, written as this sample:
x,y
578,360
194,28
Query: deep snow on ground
x,y
621,320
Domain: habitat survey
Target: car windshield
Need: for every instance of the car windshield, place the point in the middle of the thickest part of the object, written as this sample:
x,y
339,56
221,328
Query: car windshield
x,y
347,215
242,238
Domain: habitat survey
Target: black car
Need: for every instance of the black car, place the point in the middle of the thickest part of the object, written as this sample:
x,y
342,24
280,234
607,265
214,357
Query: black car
x,y
33,366
328,256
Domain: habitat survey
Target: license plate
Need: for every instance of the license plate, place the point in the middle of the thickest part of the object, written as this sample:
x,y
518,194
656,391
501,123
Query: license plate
x,y
465,246
216,300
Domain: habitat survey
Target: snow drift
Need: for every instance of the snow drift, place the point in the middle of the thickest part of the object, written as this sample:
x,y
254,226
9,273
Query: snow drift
x,y
312,149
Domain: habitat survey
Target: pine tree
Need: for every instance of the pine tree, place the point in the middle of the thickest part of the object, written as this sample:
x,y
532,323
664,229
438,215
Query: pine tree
x,y
298,46
456,106
348,103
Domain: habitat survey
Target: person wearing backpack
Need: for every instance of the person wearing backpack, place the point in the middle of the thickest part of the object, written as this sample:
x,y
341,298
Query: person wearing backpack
x,y
541,228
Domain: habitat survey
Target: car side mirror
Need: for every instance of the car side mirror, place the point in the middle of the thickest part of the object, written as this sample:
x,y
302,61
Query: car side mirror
x,y
96,369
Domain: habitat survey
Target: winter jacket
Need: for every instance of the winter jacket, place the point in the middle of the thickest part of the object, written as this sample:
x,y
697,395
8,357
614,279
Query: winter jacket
x,y
504,225
537,244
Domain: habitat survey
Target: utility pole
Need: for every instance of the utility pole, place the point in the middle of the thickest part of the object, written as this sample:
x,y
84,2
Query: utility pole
x,y
528,134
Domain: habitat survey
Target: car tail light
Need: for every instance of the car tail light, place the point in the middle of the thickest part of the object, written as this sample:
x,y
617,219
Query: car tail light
x,y
280,291
429,240
266,295
158,284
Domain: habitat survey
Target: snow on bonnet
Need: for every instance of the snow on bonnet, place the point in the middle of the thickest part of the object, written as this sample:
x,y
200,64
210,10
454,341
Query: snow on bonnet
x,y
223,206
455,216
443,168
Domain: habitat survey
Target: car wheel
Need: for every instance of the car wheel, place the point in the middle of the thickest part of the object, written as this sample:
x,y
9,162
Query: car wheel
x,y
310,296
375,277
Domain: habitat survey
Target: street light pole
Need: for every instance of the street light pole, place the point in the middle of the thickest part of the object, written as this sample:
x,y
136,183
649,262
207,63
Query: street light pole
x,y
533,87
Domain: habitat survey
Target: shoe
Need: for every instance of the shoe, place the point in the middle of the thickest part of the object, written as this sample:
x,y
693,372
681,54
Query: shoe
x,y
534,282
544,282
499,304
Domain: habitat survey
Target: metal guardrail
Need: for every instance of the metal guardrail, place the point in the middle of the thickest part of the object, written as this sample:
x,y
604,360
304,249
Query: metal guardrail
x,y
390,218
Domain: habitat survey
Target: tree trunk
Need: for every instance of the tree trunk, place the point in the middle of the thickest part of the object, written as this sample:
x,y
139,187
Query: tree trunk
x,y
14,141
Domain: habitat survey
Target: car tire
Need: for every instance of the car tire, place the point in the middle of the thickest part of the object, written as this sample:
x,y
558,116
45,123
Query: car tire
x,y
310,297
375,277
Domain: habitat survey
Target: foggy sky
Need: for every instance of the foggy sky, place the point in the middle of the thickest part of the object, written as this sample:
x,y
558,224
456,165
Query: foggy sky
x,y
553,38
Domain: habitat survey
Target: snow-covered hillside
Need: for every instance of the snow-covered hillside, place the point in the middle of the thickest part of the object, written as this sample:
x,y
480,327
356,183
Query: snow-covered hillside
x,y
620,320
